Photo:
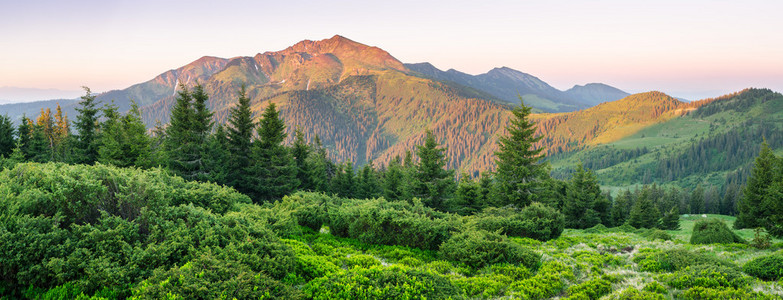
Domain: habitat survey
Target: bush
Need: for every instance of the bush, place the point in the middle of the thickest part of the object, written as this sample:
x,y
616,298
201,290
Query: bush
x,y
713,231
592,289
634,294
766,267
675,259
479,248
536,221
655,287
391,223
708,276
723,293
548,282
659,235
209,278
396,282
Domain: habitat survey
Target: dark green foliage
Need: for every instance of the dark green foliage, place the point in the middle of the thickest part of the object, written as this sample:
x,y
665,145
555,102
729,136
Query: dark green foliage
x,y
479,248
87,129
467,199
584,205
519,171
7,140
344,182
300,151
368,183
621,209
536,221
207,277
659,235
697,200
394,180
382,283
760,240
768,267
751,211
713,231
240,138
432,183
273,169
321,167
644,214
124,141
186,135
671,219
675,259
391,223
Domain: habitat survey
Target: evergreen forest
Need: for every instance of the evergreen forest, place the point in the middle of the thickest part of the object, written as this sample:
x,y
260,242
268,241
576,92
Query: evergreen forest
x,y
101,207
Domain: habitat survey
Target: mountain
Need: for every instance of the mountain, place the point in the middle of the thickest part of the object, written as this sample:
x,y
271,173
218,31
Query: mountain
x,y
506,84
9,94
595,93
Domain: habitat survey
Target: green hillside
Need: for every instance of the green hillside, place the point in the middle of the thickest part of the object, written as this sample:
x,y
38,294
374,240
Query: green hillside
x,y
714,144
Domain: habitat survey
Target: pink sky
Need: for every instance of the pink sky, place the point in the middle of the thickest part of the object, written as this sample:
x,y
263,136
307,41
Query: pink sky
x,y
691,49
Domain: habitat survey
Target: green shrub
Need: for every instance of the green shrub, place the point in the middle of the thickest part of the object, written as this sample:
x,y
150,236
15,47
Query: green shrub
x,y
768,267
713,231
548,281
209,278
659,235
600,228
655,287
479,248
310,267
761,239
708,276
675,259
485,286
536,221
634,294
391,223
700,292
626,228
395,282
592,289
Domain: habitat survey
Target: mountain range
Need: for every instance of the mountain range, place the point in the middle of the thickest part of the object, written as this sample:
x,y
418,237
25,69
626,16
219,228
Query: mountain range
x,y
365,105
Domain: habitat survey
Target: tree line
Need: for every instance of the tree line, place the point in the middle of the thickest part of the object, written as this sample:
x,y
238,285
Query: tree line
x,y
251,157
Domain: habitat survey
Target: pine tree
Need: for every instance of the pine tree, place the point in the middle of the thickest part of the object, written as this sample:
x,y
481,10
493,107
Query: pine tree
x,y
274,171
39,150
394,180
621,209
87,128
467,198
301,151
644,214
61,135
729,200
762,176
518,171
240,138
697,200
187,134
671,219
434,182
25,134
322,169
110,151
581,195
368,186
344,182
218,156
123,140
7,141
45,123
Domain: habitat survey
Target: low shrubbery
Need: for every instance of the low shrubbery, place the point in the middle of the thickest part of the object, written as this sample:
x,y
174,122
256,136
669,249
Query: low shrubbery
x,y
675,259
659,235
479,248
536,221
713,231
378,282
768,267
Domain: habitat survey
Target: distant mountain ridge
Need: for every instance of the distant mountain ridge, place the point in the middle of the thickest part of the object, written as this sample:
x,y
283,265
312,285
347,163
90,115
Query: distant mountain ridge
x,y
507,84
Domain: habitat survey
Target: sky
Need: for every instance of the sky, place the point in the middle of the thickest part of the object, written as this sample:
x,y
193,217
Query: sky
x,y
690,49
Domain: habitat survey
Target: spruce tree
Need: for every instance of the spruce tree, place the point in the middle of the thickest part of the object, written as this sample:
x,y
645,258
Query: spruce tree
x,y
187,134
25,134
218,156
368,186
644,214
394,180
434,182
697,200
621,209
124,141
467,198
301,151
274,171
39,150
581,195
761,177
7,140
519,171
321,167
671,219
86,124
240,138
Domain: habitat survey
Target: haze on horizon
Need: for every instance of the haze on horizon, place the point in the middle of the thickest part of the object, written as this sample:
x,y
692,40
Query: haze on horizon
x,y
693,49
